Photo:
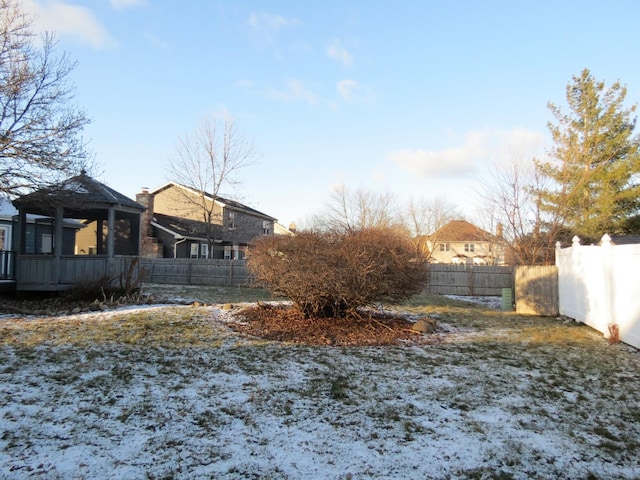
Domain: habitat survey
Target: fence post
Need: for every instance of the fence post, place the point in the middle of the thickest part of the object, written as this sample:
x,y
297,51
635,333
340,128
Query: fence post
x,y
607,251
575,252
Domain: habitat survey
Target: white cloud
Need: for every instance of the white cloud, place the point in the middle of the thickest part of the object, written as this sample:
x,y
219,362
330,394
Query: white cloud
x,y
265,29
478,147
346,89
244,83
67,20
269,22
337,52
295,91
122,4
353,91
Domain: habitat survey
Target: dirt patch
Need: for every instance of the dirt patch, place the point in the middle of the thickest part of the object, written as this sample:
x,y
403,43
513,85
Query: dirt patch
x,y
285,324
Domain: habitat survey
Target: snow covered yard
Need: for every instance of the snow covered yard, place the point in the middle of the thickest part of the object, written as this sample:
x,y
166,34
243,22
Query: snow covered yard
x,y
172,392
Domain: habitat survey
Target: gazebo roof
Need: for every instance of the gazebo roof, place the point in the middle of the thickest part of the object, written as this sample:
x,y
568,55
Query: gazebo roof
x,y
76,194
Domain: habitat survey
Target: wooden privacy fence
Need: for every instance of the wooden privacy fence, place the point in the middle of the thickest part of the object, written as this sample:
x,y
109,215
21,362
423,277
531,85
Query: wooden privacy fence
x,y
536,290
188,271
449,279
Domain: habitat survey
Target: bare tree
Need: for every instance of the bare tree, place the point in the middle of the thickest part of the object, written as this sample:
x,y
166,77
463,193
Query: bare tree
x,y
513,201
40,126
354,210
424,218
208,161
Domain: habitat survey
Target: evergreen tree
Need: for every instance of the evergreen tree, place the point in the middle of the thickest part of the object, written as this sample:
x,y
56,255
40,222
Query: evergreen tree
x,y
595,161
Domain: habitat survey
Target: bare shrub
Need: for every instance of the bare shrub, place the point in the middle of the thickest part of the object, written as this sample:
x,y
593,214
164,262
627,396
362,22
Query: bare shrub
x,y
332,274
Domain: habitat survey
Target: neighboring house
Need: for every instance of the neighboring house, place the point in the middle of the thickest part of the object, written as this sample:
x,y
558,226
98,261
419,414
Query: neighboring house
x,y
173,226
461,242
280,229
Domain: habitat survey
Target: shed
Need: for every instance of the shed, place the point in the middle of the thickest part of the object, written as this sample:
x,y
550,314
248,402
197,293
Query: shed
x,y
52,262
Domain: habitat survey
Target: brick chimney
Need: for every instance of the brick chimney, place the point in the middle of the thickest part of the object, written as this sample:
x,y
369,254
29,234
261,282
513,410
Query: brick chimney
x,y
146,200
499,230
149,245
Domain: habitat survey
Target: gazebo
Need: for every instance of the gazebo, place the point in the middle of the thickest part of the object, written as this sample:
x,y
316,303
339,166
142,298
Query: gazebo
x,y
48,254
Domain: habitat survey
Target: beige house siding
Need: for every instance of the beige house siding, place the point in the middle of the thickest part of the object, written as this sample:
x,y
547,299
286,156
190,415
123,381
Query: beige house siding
x,y
484,253
179,202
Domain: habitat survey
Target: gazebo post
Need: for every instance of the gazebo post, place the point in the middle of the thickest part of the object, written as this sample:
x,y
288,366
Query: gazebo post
x,y
57,235
22,231
111,235
57,242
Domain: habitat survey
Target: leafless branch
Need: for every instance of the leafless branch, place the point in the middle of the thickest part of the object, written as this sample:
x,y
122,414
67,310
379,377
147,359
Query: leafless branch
x,y
40,126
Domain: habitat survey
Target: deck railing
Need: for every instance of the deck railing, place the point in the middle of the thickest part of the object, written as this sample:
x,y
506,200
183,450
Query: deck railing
x,y
46,272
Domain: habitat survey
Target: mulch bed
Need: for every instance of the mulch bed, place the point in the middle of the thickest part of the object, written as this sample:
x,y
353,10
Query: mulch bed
x,y
285,324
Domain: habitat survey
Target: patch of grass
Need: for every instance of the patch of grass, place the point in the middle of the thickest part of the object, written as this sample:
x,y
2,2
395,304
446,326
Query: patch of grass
x,y
412,429
605,433
339,388
208,420
173,327
208,294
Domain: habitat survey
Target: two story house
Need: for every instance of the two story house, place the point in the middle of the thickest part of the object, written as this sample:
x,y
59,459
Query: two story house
x,y
182,222
461,242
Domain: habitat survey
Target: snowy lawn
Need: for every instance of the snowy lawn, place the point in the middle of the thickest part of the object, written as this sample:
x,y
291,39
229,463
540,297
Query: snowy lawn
x,y
171,392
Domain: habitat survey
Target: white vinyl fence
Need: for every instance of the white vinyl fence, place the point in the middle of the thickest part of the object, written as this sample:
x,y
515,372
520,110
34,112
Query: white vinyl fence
x,y
600,286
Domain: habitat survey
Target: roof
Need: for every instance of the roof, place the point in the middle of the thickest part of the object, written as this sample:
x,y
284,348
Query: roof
x,y
76,192
461,231
8,211
182,227
625,239
225,202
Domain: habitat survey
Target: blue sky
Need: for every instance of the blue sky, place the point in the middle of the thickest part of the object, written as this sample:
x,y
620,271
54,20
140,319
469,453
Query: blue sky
x,y
417,98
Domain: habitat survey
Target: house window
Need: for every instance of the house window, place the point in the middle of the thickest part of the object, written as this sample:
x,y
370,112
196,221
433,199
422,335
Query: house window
x,y
47,243
204,250
444,247
5,260
194,250
232,220
469,247
4,238
232,253
266,227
